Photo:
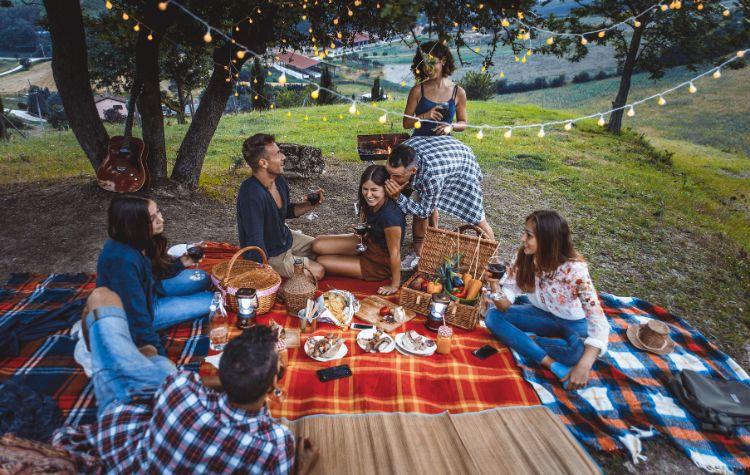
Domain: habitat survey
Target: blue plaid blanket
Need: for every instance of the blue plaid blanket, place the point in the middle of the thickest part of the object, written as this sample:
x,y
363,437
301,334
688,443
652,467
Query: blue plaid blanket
x,y
627,398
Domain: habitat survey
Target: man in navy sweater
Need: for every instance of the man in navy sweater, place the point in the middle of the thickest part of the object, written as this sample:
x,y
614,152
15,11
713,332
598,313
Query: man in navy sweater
x,y
263,205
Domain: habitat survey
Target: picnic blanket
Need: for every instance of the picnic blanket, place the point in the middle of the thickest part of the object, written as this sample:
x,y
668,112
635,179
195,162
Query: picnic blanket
x,y
457,383
627,395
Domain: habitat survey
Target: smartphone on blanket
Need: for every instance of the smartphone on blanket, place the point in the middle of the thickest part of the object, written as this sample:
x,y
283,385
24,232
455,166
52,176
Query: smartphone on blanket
x,y
484,352
334,372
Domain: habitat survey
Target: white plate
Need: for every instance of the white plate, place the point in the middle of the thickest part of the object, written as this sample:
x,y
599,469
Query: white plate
x,y
407,350
342,351
368,334
178,250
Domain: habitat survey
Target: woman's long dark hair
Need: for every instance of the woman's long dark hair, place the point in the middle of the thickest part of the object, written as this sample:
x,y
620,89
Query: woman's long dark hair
x,y
376,174
553,248
439,51
129,222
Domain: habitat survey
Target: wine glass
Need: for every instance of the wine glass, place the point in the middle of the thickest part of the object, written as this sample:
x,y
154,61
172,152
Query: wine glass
x,y
313,197
360,229
195,253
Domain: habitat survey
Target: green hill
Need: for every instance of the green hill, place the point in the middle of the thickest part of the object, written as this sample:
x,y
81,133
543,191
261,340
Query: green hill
x,y
670,227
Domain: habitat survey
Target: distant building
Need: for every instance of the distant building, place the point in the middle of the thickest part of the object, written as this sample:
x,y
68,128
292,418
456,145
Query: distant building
x,y
300,66
108,101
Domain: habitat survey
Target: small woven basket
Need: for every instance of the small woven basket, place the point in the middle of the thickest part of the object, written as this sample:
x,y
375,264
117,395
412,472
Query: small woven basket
x,y
439,243
230,276
298,289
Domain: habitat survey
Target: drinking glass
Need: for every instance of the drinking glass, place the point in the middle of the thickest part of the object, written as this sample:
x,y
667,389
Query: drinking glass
x,y
313,197
196,254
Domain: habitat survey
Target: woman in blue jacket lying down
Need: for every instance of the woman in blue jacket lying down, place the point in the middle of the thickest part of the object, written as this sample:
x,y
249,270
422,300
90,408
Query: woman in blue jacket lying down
x,y
157,290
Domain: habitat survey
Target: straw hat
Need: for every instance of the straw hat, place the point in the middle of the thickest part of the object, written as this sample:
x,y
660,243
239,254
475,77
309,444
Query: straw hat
x,y
652,336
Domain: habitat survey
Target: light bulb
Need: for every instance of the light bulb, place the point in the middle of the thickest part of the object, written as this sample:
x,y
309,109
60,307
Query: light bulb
x,y
353,108
505,23
584,41
163,5
741,54
240,54
137,27
480,134
307,118
568,125
631,112
325,119
664,7
677,4
150,37
271,106
288,114
600,34
417,124
383,118
236,94
508,133
207,37
726,12
108,5
282,79
716,74
700,6
502,75
601,121
350,13
315,94
335,21
403,83
662,101
523,59
541,133
692,89
255,97
125,16
550,40
637,24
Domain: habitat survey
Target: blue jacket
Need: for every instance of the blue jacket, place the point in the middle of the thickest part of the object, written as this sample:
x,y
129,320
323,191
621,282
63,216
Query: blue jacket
x,y
127,272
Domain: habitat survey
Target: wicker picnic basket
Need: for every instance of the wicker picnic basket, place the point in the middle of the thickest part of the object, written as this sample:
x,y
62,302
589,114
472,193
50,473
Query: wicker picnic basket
x,y
236,273
475,253
299,288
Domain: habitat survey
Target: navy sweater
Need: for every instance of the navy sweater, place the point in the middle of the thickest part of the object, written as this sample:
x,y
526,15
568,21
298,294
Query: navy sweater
x,y
127,272
260,222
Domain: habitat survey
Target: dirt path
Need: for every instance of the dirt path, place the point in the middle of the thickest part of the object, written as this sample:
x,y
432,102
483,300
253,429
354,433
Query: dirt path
x,y
39,75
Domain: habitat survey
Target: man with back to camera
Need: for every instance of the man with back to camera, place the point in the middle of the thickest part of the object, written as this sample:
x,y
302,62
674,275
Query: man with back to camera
x,y
263,205
445,174
154,419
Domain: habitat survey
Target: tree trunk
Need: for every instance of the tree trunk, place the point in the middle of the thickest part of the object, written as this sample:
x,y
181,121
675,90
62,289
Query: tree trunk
x,y
190,104
615,119
71,73
181,102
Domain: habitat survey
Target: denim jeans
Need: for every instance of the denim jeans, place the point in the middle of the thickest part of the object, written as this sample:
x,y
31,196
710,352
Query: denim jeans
x,y
120,372
182,298
556,337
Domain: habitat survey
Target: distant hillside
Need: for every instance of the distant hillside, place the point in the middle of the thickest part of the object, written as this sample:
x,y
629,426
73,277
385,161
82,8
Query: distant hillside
x,y
40,74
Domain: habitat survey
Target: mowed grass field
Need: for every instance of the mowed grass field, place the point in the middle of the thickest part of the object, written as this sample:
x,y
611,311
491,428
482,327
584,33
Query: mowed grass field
x,y
671,229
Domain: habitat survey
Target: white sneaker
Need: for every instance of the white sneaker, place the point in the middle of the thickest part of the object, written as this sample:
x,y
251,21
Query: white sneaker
x,y
83,356
409,262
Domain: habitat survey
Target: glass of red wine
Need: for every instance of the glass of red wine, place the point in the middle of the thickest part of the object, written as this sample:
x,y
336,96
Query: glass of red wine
x,y
360,229
313,197
195,253
496,267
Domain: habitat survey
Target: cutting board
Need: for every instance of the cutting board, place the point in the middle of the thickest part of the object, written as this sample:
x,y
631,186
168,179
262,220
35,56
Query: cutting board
x,y
369,311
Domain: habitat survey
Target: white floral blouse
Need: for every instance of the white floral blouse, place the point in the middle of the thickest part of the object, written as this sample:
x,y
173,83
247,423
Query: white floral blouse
x,y
567,293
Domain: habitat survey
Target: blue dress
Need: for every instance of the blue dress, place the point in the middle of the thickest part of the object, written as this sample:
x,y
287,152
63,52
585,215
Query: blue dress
x,y
424,104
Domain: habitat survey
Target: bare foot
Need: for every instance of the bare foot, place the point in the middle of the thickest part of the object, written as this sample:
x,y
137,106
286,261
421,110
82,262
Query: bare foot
x,y
307,455
148,351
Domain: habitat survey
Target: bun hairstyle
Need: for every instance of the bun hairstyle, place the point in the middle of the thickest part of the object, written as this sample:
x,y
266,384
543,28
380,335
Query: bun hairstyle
x,y
439,51
554,247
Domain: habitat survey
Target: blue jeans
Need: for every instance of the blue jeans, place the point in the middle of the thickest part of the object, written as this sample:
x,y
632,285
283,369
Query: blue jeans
x,y
556,337
182,298
119,371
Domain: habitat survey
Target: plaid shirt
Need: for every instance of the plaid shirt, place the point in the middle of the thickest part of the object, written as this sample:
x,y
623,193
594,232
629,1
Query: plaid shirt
x,y
448,178
189,429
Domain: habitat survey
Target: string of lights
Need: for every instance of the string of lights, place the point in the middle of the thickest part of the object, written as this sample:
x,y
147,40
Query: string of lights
x,y
567,124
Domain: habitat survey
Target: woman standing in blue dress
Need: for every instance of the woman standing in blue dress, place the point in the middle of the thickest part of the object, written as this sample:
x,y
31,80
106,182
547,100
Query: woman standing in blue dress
x,y
438,104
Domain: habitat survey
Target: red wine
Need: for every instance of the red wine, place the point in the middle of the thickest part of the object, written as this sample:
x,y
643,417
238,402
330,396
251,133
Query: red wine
x,y
313,197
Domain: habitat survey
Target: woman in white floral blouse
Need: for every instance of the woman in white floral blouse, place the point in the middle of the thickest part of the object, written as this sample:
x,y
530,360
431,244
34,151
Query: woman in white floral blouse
x,y
567,327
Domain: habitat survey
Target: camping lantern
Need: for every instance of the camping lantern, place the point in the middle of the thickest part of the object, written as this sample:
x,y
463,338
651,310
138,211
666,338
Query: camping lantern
x,y
436,314
247,303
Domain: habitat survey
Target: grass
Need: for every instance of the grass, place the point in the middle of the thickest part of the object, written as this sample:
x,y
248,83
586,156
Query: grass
x,y
6,64
674,229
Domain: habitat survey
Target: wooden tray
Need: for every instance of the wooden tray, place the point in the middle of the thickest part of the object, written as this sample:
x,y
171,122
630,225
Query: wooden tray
x,y
369,311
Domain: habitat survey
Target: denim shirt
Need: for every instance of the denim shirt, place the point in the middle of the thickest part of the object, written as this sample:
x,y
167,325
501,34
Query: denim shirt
x,y
127,272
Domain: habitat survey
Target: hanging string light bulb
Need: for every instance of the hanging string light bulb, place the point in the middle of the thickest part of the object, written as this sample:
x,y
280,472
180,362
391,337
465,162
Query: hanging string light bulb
x,y
726,12
550,40
240,53
502,75
717,74
315,93
417,124
125,16
663,7
353,108
108,5
600,34
383,118
508,133
568,125
137,27
692,89
637,24
448,129
741,54
282,78
207,37
163,5
661,100
480,134
631,111
150,37
541,133
601,120
505,23
584,41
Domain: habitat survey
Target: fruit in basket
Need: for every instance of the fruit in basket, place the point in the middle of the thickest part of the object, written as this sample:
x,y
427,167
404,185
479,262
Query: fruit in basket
x,y
385,310
434,288
425,284
416,284
473,288
459,292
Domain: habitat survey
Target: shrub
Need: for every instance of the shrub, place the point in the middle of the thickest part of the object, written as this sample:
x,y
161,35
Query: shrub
x,y
478,86
113,116
601,75
559,81
581,77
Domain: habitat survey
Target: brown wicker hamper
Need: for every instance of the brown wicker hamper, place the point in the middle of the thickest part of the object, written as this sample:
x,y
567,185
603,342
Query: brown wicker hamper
x,y
230,276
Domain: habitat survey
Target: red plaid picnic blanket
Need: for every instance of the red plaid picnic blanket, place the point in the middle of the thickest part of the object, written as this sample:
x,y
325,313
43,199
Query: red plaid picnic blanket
x,y
458,382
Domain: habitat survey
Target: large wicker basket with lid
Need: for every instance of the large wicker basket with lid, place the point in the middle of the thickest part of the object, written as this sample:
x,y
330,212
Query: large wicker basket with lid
x,y
230,276
298,288
475,253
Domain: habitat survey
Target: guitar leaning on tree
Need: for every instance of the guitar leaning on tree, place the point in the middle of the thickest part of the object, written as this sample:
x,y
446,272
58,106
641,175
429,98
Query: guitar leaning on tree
x,y
124,169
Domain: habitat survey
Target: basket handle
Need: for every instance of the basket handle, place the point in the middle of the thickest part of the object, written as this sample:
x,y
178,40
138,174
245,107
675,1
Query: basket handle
x,y
241,252
471,227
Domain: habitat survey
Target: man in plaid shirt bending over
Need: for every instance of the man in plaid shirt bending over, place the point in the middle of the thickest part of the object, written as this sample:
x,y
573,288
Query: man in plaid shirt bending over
x,y
446,175
155,420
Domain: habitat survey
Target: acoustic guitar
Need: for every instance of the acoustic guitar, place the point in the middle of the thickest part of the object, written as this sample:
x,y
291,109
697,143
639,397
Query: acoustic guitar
x,y
124,169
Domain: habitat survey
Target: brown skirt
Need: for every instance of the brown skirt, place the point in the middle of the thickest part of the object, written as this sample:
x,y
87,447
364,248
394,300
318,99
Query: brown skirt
x,y
375,262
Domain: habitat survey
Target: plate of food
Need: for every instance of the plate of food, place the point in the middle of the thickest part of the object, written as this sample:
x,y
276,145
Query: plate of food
x,y
337,307
375,341
413,343
325,347
178,250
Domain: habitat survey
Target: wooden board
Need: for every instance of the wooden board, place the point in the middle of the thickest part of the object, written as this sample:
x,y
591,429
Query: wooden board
x,y
369,311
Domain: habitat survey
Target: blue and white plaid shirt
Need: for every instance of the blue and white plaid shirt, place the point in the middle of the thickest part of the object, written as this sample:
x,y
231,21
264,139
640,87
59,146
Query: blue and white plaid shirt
x,y
448,178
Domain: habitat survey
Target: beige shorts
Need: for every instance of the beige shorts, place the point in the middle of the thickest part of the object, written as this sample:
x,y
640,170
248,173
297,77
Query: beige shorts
x,y
301,247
